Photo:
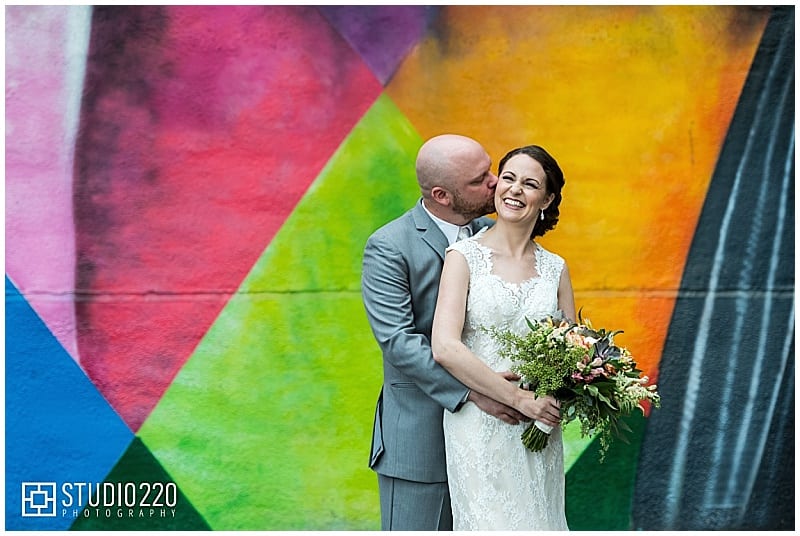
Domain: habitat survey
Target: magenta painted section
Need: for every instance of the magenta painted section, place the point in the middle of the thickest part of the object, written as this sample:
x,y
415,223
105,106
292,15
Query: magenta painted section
x,y
42,98
201,128
383,35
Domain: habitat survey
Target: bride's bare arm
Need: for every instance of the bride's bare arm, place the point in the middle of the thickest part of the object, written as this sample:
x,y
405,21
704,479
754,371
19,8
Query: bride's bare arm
x,y
452,354
566,298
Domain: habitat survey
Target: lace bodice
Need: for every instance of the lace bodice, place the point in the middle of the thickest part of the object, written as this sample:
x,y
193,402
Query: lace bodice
x,y
495,482
493,302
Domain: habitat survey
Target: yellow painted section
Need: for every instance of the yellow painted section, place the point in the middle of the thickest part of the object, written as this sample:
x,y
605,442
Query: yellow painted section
x,y
633,101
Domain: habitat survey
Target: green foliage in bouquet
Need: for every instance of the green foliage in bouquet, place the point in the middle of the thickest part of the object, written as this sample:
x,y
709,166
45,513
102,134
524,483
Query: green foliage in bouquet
x,y
596,381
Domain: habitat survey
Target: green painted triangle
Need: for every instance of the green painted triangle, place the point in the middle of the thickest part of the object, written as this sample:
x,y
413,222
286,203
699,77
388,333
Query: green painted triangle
x,y
599,496
268,425
138,494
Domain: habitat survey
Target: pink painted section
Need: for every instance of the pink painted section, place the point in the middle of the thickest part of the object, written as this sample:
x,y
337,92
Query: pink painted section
x,y
201,129
40,237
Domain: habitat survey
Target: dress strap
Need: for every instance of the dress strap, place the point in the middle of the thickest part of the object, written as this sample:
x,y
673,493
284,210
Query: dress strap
x,y
478,257
548,264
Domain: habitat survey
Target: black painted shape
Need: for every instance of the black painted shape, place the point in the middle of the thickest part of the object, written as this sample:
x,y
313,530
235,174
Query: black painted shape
x,y
720,448
137,504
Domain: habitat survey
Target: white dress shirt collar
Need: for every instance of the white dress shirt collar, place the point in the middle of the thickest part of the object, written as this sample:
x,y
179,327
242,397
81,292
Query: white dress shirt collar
x,y
449,230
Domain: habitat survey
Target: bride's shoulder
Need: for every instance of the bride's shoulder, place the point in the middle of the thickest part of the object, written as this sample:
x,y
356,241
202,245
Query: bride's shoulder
x,y
476,255
466,247
549,257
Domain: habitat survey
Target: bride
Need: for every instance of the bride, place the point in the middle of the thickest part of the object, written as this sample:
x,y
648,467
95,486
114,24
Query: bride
x,y
498,277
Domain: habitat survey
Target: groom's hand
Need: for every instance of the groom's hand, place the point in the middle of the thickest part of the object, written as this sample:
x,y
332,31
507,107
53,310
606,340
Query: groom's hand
x,y
498,409
510,376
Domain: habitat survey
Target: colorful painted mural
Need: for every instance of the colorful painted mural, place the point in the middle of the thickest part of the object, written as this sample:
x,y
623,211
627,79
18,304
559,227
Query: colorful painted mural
x,y
188,194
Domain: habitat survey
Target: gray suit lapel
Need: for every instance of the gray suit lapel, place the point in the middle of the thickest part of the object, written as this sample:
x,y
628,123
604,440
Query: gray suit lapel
x,y
429,231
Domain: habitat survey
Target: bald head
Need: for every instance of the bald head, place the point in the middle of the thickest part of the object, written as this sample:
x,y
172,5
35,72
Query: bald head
x,y
440,161
455,179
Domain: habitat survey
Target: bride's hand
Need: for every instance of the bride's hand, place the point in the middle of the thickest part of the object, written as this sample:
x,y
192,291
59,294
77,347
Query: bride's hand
x,y
493,407
545,409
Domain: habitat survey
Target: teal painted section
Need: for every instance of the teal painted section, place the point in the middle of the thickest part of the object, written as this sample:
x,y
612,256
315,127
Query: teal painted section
x,y
139,495
599,496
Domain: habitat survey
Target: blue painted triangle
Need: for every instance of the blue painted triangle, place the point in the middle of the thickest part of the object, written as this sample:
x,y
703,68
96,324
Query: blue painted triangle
x,y
59,429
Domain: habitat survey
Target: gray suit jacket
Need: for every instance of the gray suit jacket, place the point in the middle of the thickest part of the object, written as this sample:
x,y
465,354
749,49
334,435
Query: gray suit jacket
x,y
400,284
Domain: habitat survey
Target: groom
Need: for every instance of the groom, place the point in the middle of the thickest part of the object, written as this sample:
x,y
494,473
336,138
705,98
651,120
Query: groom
x,y
400,282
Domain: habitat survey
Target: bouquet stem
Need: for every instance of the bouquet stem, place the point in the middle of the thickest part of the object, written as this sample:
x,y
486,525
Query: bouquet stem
x,y
536,436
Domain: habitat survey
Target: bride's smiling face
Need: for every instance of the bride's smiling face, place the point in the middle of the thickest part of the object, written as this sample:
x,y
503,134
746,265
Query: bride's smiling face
x,y
521,192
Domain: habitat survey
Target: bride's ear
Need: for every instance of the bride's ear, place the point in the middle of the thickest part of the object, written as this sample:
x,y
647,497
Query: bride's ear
x,y
549,200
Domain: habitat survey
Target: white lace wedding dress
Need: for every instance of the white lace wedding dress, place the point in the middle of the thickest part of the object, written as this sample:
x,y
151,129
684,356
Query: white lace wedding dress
x,y
495,482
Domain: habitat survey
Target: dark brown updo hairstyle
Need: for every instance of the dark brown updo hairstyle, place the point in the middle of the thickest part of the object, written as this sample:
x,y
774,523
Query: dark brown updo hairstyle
x,y
554,179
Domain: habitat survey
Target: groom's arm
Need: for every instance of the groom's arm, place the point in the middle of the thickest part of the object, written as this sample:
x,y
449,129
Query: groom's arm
x,y
385,287
387,299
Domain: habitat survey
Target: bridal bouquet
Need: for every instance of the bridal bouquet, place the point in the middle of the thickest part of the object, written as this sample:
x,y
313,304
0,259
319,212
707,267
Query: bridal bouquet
x,y
596,381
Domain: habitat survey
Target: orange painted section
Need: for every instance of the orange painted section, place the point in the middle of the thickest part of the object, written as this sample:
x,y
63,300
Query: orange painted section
x,y
633,101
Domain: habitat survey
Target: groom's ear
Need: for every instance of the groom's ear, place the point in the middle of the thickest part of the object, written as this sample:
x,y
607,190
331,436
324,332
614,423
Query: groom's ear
x,y
440,195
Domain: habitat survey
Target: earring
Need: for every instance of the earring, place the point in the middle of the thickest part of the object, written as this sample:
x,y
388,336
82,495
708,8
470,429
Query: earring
x,y
542,216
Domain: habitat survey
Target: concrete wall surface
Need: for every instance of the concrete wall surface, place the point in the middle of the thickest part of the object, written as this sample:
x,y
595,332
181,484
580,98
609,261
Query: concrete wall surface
x,y
188,194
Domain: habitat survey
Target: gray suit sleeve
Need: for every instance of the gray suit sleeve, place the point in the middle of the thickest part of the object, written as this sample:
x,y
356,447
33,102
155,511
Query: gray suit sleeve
x,y
385,286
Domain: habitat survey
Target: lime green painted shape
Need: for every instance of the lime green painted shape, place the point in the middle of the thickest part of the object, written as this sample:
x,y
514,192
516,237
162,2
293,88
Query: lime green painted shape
x,y
267,428
140,478
268,425
600,496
